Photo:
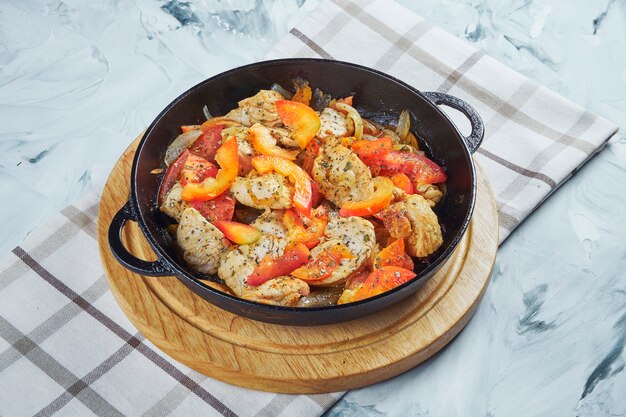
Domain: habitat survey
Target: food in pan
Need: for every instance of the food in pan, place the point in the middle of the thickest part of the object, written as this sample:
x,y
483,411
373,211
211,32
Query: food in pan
x,y
297,200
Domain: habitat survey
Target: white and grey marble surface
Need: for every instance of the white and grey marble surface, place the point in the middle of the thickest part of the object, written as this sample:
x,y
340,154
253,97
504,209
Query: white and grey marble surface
x,y
80,79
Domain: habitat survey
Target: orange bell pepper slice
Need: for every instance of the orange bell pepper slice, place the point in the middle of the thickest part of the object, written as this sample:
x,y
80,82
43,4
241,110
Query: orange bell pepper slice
x,y
383,192
302,196
301,119
309,236
270,267
239,233
210,188
393,255
264,143
381,280
324,264
403,182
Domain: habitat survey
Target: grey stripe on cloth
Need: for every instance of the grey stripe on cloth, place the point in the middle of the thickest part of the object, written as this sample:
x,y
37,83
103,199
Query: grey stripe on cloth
x,y
401,45
582,125
172,399
55,322
518,169
123,334
81,219
460,71
506,220
276,405
57,372
309,42
324,400
464,83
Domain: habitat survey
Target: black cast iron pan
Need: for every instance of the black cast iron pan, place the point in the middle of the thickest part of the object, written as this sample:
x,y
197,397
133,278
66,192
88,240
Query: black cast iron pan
x,y
378,97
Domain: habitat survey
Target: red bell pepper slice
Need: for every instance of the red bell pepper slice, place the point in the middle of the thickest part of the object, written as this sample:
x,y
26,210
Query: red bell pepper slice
x,y
371,151
381,280
302,196
383,192
393,255
210,188
294,257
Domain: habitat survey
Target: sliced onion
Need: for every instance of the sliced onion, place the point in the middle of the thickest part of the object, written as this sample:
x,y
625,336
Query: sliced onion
x,y
404,124
279,89
179,144
322,297
355,116
371,127
394,136
206,112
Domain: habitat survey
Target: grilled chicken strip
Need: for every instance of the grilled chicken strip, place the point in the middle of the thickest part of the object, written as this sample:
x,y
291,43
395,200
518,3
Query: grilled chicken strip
x,y
202,244
354,232
238,264
341,175
260,108
271,222
267,191
413,220
173,204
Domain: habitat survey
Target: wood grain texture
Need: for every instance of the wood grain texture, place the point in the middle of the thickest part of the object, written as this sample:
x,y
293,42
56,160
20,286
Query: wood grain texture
x,y
292,359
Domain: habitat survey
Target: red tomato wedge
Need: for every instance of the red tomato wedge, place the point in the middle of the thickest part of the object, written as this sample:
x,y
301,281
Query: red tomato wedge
x,y
417,167
302,196
301,119
269,267
221,207
371,151
381,280
172,174
208,143
196,169
239,233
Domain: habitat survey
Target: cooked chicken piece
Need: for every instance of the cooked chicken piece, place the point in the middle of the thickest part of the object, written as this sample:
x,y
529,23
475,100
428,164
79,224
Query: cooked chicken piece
x,y
283,137
341,175
173,204
355,233
266,245
271,222
413,220
202,243
430,192
263,191
235,268
334,123
259,108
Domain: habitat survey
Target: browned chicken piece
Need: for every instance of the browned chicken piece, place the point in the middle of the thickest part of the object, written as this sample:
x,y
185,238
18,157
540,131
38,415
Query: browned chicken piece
x,y
430,192
239,263
413,220
341,175
201,243
173,204
334,123
260,108
355,233
271,222
267,191
283,137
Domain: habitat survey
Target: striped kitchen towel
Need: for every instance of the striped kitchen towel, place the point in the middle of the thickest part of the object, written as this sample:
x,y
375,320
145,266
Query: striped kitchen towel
x,y
66,347
535,139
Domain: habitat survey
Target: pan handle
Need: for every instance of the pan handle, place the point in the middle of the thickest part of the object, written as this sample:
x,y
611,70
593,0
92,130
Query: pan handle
x,y
129,261
478,128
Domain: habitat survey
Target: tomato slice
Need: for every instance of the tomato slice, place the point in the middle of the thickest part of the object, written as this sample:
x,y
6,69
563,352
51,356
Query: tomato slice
x,y
381,280
392,255
208,143
370,151
269,267
221,207
172,174
196,169
416,166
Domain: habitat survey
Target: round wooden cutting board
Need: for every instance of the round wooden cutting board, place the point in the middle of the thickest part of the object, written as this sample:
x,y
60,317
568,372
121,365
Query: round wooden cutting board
x,y
293,359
